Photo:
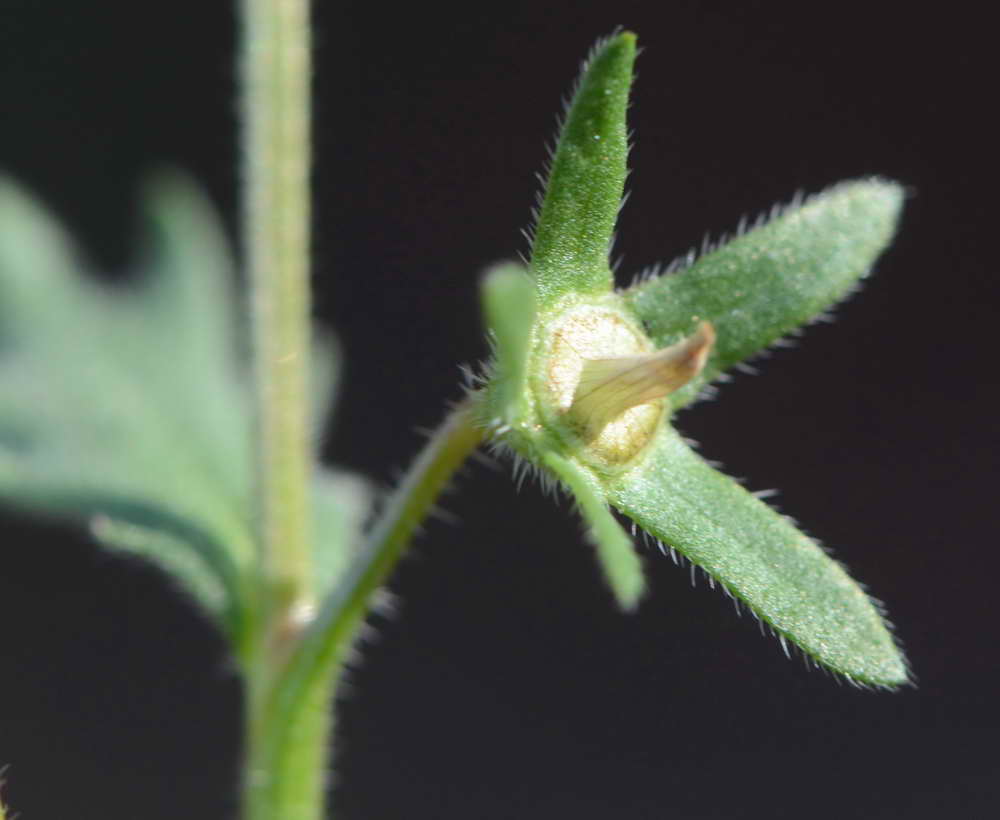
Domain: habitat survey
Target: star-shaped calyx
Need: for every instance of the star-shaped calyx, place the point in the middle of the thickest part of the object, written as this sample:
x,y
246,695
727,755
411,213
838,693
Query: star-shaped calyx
x,y
585,378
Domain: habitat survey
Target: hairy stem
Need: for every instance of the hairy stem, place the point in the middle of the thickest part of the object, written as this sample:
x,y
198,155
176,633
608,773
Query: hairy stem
x,y
276,121
446,451
289,742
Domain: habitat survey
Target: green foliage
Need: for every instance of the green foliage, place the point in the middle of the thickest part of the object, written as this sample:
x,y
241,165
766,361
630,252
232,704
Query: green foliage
x,y
127,407
571,240
508,296
621,564
591,350
760,558
772,279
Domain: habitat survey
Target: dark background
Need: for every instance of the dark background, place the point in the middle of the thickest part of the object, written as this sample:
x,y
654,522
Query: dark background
x,y
509,686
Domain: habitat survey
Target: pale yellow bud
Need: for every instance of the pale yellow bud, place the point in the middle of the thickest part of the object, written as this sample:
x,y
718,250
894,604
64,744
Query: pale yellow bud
x,y
609,387
607,381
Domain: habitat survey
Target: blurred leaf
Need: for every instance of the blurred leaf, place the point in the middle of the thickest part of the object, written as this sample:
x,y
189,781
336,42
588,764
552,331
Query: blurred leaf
x,y
341,504
124,405
326,364
129,407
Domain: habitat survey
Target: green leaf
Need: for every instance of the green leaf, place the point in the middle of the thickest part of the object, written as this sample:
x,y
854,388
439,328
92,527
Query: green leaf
x,y
128,408
341,503
188,565
772,279
622,566
324,381
759,557
573,234
187,279
123,407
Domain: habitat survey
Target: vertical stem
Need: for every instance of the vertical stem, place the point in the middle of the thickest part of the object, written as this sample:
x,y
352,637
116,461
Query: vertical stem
x,y
292,666
275,110
276,123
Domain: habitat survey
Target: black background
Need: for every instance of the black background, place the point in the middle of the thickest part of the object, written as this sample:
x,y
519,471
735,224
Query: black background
x,y
508,685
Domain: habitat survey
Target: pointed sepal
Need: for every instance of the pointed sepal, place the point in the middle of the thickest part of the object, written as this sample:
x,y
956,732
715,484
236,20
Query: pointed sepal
x,y
760,558
572,237
508,300
615,551
774,278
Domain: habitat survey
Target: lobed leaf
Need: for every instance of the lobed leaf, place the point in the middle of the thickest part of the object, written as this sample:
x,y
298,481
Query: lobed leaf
x,y
128,407
341,504
772,279
106,410
573,234
760,557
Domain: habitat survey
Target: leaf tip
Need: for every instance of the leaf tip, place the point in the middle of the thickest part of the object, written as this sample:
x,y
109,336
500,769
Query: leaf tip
x,y
624,39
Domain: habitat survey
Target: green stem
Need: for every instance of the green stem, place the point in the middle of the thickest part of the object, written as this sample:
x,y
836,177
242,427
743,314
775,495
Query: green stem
x,y
289,741
446,451
276,123
286,765
275,71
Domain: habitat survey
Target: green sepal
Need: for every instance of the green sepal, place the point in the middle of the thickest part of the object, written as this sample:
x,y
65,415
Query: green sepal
x,y
615,551
768,281
508,299
751,291
576,220
761,558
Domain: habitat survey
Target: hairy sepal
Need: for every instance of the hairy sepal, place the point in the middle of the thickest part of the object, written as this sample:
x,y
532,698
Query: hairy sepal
x,y
572,236
774,278
760,558
615,551
508,301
